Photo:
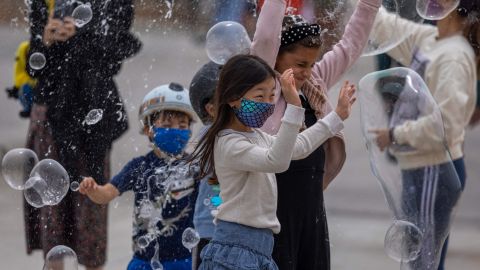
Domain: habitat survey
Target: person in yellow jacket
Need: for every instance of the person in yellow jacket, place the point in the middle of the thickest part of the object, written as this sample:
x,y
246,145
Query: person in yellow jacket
x,y
22,82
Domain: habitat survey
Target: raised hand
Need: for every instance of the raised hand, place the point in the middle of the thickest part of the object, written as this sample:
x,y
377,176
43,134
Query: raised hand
x,y
346,98
289,90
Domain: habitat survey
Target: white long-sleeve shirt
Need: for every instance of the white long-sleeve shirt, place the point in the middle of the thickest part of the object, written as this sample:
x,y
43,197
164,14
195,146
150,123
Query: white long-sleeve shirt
x,y
448,67
246,163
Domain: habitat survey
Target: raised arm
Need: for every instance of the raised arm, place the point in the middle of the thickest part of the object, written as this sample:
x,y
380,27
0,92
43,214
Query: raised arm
x,y
387,24
239,153
344,54
266,40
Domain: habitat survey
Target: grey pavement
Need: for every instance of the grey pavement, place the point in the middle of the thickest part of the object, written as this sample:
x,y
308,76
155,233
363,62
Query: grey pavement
x,y
357,212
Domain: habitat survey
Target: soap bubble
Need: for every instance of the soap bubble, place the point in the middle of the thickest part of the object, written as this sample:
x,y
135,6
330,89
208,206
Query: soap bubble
x,y
226,39
61,257
416,173
17,165
206,202
56,178
37,61
75,186
334,16
403,241
436,9
35,190
94,116
143,241
82,15
190,238
156,265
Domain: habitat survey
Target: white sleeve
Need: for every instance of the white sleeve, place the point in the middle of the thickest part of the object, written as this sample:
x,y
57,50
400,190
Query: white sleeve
x,y
388,24
313,137
239,153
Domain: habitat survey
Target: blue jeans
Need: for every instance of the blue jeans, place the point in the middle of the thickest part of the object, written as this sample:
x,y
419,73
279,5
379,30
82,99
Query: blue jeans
x,y
181,264
462,176
236,246
429,197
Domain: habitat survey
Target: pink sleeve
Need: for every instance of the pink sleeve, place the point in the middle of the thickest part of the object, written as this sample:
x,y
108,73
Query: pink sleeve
x,y
266,40
337,61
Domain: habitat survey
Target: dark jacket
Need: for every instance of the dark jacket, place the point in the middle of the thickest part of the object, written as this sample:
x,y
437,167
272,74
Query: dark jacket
x,y
78,75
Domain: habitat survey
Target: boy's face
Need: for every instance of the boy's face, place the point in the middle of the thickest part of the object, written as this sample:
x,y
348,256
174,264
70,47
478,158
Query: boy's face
x,y
169,119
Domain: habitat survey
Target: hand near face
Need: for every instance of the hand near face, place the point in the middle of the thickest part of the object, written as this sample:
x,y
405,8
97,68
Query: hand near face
x,y
289,90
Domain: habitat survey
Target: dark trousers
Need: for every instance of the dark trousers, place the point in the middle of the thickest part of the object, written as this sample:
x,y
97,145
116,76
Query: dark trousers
x,y
303,240
462,176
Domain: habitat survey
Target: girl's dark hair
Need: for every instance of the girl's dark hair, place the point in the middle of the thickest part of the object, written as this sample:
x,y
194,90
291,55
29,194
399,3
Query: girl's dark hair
x,y
470,10
307,42
240,74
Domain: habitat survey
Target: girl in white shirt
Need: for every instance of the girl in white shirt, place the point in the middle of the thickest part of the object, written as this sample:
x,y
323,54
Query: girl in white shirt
x,y
245,159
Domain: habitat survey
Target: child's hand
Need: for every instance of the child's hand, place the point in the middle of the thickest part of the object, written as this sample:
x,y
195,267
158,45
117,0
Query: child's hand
x,y
289,89
345,100
382,139
87,185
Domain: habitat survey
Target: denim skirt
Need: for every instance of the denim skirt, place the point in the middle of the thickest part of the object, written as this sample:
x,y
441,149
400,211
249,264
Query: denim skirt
x,y
238,247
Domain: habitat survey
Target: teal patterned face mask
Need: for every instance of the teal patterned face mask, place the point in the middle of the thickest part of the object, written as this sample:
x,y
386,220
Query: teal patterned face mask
x,y
253,114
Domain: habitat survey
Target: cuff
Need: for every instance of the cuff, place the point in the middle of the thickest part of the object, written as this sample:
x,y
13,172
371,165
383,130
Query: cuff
x,y
399,135
294,115
334,122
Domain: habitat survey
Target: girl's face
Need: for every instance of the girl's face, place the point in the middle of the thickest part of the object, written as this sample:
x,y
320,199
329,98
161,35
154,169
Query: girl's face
x,y
262,92
301,60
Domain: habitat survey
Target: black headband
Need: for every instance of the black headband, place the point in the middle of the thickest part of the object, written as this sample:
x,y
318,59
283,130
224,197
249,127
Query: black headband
x,y
298,32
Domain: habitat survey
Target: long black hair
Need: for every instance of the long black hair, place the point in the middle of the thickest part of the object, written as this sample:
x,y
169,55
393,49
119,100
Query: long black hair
x,y
240,74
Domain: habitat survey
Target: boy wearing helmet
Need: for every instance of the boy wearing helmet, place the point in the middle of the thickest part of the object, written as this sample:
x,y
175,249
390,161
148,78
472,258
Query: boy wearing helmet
x,y
164,185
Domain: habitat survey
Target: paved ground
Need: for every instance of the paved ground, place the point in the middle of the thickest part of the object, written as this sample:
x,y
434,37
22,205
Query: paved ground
x,y
358,216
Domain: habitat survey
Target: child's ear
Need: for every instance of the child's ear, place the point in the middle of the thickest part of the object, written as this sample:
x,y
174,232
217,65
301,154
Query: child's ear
x,y
210,109
147,130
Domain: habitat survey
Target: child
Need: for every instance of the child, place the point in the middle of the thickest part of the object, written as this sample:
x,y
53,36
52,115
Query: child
x,y
303,242
164,187
244,159
447,57
201,92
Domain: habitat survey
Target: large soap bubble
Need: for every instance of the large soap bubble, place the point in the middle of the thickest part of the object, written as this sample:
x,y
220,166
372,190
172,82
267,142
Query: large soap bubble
x,y
61,257
37,60
226,39
17,165
415,172
56,178
334,16
190,238
436,9
82,14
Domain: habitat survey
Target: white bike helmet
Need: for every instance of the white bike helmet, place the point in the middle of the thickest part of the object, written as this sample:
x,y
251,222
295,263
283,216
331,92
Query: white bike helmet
x,y
172,97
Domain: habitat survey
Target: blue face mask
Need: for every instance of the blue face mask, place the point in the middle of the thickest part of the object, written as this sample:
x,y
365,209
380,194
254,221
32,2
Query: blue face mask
x,y
171,140
253,114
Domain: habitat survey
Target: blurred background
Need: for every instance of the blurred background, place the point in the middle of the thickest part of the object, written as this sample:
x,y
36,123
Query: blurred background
x,y
173,50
